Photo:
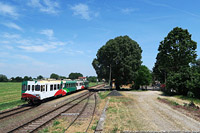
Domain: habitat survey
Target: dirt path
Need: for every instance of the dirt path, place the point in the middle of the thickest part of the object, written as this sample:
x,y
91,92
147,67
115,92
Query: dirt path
x,y
152,115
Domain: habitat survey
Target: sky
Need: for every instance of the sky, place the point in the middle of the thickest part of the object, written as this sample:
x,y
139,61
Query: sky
x,y
40,37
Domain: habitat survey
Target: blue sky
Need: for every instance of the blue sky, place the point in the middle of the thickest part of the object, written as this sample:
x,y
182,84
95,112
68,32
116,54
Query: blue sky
x,y
63,36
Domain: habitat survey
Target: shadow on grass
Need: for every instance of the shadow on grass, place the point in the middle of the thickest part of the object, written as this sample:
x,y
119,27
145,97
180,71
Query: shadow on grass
x,y
12,104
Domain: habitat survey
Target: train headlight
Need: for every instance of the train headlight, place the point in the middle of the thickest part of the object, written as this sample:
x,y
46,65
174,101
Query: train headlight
x,y
38,96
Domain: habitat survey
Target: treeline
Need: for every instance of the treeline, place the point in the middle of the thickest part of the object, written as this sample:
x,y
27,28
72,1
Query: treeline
x,y
176,64
3,78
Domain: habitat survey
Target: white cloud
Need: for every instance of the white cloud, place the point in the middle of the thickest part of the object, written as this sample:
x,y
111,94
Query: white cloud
x,y
83,11
74,52
6,9
34,48
41,46
46,6
47,32
11,36
128,10
13,26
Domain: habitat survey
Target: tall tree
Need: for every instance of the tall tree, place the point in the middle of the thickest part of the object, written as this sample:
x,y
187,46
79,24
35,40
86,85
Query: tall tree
x,y
54,76
75,75
121,57
176,52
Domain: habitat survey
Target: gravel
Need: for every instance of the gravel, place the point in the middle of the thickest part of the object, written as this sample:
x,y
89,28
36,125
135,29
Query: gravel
x,y
156,116
114,93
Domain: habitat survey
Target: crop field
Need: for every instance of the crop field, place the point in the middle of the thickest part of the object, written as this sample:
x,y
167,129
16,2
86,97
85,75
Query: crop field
x,y
10,95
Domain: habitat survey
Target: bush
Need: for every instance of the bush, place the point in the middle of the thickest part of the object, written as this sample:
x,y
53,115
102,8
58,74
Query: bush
x,y
185,82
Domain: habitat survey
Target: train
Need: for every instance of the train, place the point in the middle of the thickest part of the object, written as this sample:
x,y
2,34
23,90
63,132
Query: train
x,y
38,90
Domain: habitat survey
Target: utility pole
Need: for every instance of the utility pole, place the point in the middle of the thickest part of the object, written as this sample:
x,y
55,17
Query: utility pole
x,y
110,77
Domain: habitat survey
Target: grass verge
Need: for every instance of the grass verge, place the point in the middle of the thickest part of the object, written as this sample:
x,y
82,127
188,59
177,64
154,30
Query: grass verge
x,y
171,102
195,100
94,83
103,94
119,115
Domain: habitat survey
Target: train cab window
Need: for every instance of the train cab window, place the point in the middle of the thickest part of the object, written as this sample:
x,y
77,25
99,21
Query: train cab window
x,y
37,88
51,87
54,87
76,84
46,87
29,87
33,87
58,86
24,87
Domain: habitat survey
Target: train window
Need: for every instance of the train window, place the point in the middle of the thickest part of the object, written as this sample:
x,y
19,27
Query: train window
x,y
67,85
29,87
42,88
37,88
76,84
33,87
54,87
58,86
46,87
24,87
51,87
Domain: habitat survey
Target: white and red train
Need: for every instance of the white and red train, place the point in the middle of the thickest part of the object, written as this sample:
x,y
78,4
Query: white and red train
x,y
35,91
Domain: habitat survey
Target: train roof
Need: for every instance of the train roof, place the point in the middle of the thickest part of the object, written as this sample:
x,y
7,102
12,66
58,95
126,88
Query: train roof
x,y
54,81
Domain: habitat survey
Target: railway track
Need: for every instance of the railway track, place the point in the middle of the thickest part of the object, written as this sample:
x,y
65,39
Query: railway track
x,y
81,112
15,111
36,123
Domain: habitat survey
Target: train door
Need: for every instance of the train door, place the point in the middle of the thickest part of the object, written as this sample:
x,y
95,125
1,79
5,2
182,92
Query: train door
x,y
43,91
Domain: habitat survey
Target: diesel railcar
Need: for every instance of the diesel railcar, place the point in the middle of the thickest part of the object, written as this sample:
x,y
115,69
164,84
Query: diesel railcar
x,y
36,91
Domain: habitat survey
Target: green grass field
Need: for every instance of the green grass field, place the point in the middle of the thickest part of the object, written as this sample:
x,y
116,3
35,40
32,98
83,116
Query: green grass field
x,y
10,95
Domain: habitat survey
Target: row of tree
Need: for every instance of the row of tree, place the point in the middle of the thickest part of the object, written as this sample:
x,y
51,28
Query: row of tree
x,y
3,78
176,65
